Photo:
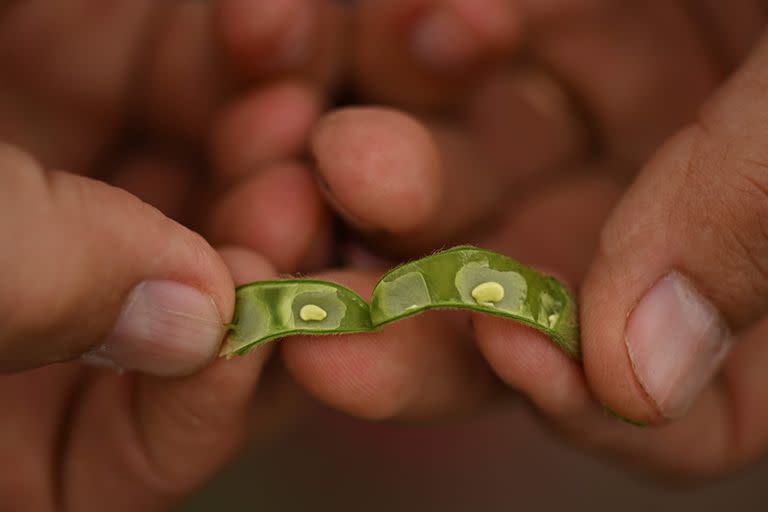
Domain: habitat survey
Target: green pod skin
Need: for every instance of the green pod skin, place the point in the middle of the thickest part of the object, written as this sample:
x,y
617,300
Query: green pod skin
x,y
266,310
463,277
447,279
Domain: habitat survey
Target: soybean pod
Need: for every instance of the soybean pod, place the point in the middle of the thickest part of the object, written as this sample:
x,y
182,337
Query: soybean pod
x,y
480,280
266,310
463,277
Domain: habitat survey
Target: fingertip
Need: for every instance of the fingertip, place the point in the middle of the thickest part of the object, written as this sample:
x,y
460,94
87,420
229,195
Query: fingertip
x,y
267,125
208,262
429,51
675,342
347,373
278,213
653,340
263,36
155,290
381,167
455,36
496,22
12,157
246,265
354,373
531,363
607,364
164,329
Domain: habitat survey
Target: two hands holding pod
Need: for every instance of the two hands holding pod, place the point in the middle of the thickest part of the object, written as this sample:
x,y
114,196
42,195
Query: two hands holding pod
x,y
655,210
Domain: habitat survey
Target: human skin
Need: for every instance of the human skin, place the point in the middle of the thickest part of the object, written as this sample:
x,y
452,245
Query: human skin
x,y
666,242
126,93
374,376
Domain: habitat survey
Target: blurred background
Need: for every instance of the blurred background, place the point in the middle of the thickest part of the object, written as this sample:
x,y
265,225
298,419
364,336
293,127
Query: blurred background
x,y
503,461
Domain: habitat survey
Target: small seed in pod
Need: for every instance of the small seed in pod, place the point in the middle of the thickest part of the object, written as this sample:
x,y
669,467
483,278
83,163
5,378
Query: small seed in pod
x,y
488,293
312,313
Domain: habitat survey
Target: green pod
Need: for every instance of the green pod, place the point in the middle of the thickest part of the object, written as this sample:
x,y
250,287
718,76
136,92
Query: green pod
x,y
266,310
480,280
463,277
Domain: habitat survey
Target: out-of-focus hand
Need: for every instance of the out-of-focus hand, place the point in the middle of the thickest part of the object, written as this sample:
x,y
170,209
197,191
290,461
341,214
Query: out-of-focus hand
x,y
130,93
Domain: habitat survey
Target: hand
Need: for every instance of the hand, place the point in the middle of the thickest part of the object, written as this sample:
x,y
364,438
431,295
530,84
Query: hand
x,y
678,259
96,275
85,438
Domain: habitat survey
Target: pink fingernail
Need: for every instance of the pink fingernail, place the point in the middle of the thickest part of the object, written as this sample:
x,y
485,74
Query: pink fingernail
x,y
165,328
295,47
677,340
443,41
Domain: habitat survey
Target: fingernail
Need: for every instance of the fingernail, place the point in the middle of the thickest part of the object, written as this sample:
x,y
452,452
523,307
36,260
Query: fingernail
x,y
165,328
336,205
295,46
676,340
443,41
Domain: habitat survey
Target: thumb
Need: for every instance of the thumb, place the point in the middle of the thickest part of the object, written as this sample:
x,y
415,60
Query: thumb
x,y
684,258
90,271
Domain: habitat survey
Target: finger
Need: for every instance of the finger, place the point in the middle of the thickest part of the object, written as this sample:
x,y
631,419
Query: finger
x,y
36,401
682,259
743,389
380,167
716,436
159,180
188,79
279,402
730,29
623,60
68,119
414,370
541,232
723,431
92,268
419,368
184,82
409,187
524,123
150,441
530,363
380,375
279,213
429,51
293,36
556,226
268,125
520,230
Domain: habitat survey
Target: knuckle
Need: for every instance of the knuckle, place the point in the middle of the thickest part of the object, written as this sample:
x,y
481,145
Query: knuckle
x,y
729,198
748,213
179,421
650,202
23,186
14,160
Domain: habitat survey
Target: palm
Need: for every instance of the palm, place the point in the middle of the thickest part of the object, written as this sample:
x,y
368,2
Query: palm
x,y
91,439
